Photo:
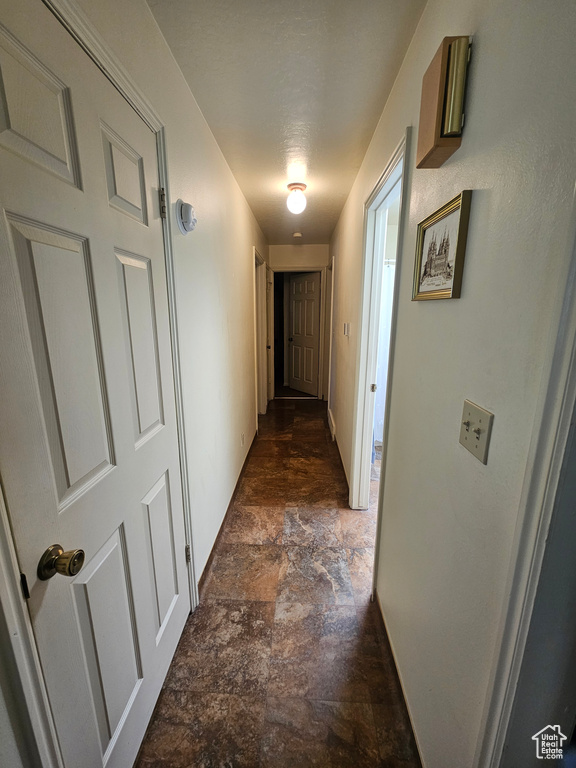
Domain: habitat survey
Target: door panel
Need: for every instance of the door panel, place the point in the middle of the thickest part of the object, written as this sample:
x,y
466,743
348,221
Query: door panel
x,y
103,597
310,314
296,311
88,442
56,283
309,371
124,176
140,329
304,332
161,549
296,364
28,89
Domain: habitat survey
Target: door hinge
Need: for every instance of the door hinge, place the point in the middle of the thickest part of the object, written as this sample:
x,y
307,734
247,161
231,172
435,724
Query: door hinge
x,y
24,585
373,387
188,553
162,193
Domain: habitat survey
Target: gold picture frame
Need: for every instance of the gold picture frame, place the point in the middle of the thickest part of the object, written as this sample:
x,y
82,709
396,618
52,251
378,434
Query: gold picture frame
x,y
440,250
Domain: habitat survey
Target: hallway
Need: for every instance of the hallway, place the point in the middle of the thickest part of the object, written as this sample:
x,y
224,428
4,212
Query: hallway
x,y
285,661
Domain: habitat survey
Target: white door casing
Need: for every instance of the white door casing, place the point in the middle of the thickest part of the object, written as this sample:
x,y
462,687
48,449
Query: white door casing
x,y
374,247
270,331
260,331
304,339
89,449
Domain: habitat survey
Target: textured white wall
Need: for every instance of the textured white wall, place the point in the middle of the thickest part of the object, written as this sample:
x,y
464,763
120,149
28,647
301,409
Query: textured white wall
x,y
214,270
448,521
291,256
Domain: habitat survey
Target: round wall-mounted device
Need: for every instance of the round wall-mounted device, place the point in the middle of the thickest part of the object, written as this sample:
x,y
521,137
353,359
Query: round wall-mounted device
x,y
185,217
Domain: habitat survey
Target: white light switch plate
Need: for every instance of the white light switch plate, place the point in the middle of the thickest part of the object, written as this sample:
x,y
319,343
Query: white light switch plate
x,y
475,430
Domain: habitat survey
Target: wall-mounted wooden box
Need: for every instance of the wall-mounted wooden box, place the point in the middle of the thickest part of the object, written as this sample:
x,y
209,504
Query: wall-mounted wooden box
x,y
434,146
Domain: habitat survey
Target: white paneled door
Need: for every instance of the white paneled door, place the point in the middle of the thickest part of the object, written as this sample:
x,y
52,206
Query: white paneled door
x,y
88,439
304,339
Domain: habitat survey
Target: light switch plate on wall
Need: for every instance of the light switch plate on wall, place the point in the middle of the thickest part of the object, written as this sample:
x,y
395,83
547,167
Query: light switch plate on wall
x,y
475,430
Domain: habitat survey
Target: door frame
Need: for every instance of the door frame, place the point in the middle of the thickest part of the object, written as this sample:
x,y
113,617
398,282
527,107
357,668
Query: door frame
x,y
270,332
12,603
260,328
328,324
330,331
369,326
323,281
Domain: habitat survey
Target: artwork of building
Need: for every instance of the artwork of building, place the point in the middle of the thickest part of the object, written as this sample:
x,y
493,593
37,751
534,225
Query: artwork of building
x,y
437,264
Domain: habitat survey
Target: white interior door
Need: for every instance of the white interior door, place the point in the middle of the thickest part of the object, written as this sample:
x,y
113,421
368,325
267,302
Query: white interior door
x,y
88,443
304,339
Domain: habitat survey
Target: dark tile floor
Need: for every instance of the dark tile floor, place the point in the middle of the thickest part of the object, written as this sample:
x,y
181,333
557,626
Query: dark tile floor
x,y
285,662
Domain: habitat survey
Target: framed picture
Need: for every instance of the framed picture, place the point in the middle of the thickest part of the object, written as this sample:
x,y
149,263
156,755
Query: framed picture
x,y
440,250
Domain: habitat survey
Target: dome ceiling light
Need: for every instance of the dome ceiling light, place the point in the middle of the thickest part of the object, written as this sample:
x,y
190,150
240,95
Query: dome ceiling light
x,y
296,201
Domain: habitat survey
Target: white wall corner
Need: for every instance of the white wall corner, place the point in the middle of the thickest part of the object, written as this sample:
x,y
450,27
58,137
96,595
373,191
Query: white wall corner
x,y
332,424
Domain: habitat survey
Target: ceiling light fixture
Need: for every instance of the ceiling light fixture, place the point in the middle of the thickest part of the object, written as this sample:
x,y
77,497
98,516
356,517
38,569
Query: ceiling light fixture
x,y
296,199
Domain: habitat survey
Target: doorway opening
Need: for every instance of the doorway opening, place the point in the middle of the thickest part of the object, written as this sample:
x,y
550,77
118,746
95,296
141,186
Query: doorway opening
x,y
391,212
382,224
298,336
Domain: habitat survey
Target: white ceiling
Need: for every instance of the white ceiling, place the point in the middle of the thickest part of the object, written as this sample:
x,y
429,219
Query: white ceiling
x,y
292,91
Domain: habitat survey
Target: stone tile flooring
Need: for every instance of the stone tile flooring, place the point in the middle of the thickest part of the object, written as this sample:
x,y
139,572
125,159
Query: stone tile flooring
x,y
285,662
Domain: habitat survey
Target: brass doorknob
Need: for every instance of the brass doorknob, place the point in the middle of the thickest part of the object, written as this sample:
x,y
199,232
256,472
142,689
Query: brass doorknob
x,y
55,560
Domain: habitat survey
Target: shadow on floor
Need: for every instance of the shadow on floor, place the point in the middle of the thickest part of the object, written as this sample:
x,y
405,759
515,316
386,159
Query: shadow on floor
x,y
287,392
286,662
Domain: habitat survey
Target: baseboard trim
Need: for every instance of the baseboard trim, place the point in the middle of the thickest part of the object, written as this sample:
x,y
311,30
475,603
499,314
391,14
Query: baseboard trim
x,y
206,569
376,597
332,424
